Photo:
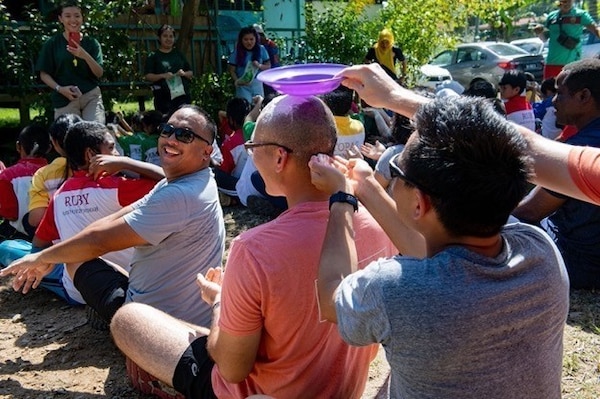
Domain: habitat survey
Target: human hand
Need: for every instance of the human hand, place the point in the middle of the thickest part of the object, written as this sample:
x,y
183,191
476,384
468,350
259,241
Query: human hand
x,y
372,151
167,75
239,82
353,152
257,100
70,92
329,174
101,165
210,285
28,271
256,64
371,83
76,49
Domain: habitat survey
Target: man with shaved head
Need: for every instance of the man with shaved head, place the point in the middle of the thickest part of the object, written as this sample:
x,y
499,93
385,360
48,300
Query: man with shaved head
x,y
266,334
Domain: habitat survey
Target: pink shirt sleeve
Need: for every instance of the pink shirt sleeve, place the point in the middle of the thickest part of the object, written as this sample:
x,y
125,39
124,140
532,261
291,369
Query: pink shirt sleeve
x,y
584,167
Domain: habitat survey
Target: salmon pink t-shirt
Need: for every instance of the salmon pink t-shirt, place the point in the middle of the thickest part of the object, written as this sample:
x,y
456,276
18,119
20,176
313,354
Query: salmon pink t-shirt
x,y
269,286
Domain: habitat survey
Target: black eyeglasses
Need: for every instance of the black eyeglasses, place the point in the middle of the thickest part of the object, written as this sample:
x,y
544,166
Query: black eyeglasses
x,y
250,146
397,172
182,134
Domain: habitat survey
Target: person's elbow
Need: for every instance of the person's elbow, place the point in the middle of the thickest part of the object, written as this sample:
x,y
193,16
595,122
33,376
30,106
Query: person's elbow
x,y
234,375
327,292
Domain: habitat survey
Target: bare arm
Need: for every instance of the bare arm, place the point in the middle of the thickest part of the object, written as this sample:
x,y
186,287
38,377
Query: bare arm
x,y
537,205
235,355
551,164
62,90
93,241
80,52
112,164
379,90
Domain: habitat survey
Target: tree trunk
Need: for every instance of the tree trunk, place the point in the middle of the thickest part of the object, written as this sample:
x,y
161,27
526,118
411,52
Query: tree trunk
x,y
188,16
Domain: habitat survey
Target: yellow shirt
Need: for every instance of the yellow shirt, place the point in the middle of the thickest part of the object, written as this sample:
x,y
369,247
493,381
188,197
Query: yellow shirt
x,y
45,181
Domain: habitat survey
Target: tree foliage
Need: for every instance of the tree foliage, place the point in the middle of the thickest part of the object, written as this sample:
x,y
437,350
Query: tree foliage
x,y
345,31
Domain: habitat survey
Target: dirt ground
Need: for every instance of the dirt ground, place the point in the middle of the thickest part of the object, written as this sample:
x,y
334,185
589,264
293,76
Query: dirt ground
x,y
48,351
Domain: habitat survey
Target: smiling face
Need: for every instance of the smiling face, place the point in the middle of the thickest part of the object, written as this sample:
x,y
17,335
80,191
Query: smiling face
x,y
167,39
248,41
71,18
179,159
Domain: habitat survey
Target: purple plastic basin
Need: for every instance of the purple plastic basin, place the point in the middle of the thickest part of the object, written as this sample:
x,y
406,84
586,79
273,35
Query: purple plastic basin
x,y
303,79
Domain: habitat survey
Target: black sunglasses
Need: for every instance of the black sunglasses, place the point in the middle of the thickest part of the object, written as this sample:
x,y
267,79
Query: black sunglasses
x,y
397,172
182,134
250,146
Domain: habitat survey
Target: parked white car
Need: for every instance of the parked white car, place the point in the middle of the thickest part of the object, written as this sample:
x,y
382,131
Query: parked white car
x,y
432,76
533,45
590,45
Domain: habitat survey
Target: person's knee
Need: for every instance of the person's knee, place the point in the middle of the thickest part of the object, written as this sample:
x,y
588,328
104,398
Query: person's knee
x,y
124,319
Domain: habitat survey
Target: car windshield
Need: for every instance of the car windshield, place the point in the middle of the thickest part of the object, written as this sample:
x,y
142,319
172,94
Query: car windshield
x,y
506,49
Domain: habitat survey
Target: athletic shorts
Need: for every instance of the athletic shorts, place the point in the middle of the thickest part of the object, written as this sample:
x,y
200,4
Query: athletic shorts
x,y
102,287
192,375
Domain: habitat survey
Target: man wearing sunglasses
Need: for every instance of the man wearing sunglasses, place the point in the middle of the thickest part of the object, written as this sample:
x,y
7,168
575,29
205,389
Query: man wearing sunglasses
x,y
266,335
177,231
479,311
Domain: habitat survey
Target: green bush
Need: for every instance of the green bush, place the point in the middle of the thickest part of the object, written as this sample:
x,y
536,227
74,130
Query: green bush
x,y
212,91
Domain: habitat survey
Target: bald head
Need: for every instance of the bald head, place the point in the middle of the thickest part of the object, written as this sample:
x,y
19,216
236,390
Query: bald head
x,y
305,125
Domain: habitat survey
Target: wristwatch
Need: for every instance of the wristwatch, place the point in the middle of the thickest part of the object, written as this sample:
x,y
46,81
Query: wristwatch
x,y
341,196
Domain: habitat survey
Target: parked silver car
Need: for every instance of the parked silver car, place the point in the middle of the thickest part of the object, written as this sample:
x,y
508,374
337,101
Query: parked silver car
x,y
487,61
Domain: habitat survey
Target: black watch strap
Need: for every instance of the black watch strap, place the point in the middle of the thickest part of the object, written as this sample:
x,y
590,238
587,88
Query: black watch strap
x,y
341,196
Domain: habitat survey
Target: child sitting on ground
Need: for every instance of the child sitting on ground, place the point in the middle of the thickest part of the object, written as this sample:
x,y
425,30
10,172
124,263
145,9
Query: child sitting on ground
x,y
512,90
32,145
234,154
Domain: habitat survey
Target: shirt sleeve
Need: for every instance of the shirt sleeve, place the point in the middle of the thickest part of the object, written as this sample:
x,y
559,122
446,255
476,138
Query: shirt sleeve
x,y
47,230
584,167
370,54
9,205
264,54
153,218
241,294
586,19
361,313
398,54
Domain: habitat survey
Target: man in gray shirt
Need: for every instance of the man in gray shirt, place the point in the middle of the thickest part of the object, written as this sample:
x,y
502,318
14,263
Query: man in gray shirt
x,y
177,230
473,308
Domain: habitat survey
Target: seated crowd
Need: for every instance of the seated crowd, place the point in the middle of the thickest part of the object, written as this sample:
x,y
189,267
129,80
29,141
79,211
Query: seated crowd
x,y
399,231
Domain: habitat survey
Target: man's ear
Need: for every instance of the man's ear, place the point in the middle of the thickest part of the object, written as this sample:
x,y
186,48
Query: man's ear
x,y
422,204
584,95
282,159
89,154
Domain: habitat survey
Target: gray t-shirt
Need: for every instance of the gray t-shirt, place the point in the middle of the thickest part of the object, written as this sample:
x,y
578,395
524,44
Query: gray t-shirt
x,y
461,325
183,222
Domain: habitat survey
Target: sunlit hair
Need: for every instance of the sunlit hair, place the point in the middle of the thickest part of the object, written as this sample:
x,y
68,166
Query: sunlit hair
x,y
473,159
240,59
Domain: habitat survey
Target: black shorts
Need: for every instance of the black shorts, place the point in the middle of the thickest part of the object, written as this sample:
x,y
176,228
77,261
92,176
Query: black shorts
x,y
102,287
192,375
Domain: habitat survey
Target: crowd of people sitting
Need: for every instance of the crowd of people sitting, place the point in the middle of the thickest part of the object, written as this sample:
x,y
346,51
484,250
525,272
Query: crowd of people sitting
x,y
398,218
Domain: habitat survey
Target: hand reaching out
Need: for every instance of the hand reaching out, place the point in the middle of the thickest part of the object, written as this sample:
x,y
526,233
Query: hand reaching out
x,y
372,151
28,272
210,285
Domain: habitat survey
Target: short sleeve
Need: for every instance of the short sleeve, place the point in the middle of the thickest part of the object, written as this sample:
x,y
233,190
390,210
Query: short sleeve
x,y
399,54
241,300
361,313
47,230
264,54
586,19
232,58
9,205
152,220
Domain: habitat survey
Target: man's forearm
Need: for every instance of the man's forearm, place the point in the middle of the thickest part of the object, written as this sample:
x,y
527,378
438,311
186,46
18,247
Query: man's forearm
x,y
338,257
383,208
